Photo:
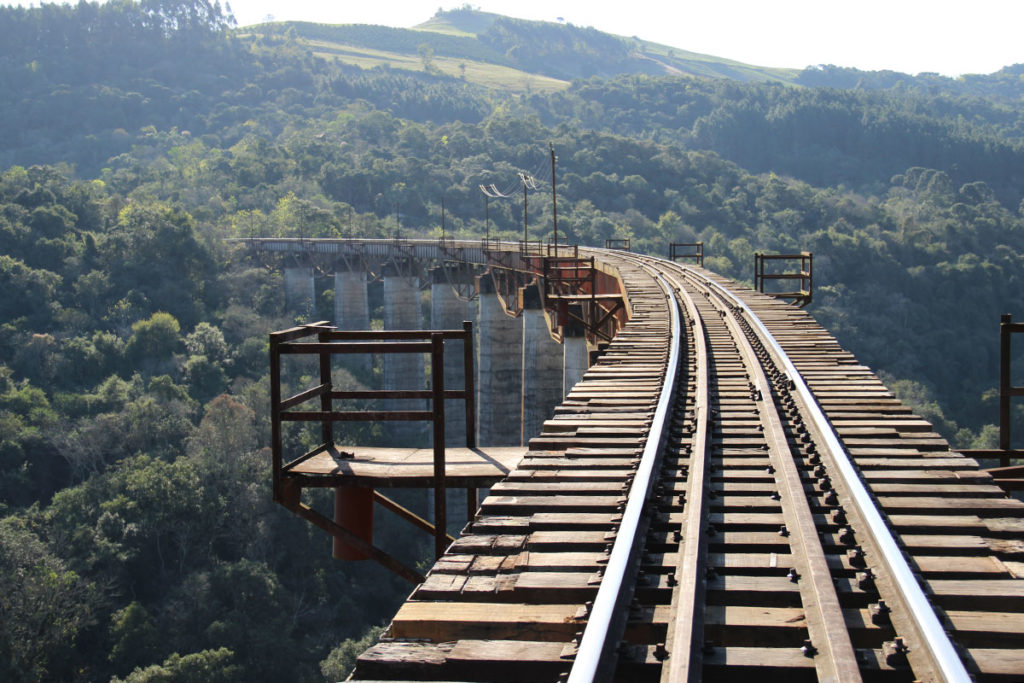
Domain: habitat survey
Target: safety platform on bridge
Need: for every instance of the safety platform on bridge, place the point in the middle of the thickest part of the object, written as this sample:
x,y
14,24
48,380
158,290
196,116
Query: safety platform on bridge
x,y
357,472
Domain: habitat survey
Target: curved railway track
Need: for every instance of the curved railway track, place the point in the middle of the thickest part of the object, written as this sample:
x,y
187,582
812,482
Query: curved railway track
x,y
726,494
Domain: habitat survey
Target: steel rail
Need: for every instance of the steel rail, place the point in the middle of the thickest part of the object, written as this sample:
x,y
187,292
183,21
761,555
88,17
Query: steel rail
x,y
595,655
685,633
830,645
933,637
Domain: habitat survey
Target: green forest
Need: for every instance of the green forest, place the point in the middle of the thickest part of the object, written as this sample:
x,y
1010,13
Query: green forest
x,y
138,539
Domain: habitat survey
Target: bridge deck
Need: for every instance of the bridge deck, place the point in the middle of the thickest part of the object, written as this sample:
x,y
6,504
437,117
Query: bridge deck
x,y
508,599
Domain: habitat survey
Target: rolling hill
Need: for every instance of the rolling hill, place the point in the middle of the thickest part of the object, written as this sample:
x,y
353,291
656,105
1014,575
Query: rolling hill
x,y
513,54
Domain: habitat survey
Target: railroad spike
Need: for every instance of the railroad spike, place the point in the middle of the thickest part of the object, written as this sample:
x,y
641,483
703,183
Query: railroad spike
x,y
808,648
895,652
660,653
865,580
880,612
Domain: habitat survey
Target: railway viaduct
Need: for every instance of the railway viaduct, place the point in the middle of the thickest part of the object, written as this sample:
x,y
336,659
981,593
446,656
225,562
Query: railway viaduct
x,y
712,489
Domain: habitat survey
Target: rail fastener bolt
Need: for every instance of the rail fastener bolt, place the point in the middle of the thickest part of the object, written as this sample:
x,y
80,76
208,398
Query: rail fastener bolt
x,y
895,652
879,612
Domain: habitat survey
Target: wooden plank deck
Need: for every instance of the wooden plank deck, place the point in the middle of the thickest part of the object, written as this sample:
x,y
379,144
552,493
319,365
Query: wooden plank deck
x,y
407,467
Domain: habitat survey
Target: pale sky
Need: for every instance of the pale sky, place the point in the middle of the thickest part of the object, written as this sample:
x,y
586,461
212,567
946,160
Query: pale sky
x,y
911,36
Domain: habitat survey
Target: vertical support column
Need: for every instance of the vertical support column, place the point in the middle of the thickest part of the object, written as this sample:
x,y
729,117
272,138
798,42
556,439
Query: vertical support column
x,y
576,357
1005,322
541,368
448,312
438,442
403,370
299,291
351,312
500,377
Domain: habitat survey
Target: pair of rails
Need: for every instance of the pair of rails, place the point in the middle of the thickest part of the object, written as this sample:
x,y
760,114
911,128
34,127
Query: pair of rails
x,y
923,639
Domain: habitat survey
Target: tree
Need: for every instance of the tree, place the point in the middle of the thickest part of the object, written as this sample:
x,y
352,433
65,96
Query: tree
x,y
426,57
206,666
154,341
342,659
135,636
206,377
44,606
207,340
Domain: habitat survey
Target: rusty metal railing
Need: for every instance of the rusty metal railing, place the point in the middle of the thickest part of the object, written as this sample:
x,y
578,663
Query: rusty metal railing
x,y
687,250
803,276
330,342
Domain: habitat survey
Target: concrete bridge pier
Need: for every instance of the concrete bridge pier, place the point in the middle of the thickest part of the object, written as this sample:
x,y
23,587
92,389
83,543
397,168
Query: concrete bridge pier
x,y
351,312
499,374
542,374
576,357
448,312
402,311
299,291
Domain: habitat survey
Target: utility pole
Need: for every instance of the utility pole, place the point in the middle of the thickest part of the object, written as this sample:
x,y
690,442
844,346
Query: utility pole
x,y
554,197
490,192
523,177
487,216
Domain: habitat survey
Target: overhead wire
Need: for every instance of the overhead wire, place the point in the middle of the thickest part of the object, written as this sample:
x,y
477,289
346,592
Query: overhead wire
x,y
533,181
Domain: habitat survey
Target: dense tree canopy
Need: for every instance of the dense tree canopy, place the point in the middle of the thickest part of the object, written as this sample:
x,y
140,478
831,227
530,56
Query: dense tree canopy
x,y
137,536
